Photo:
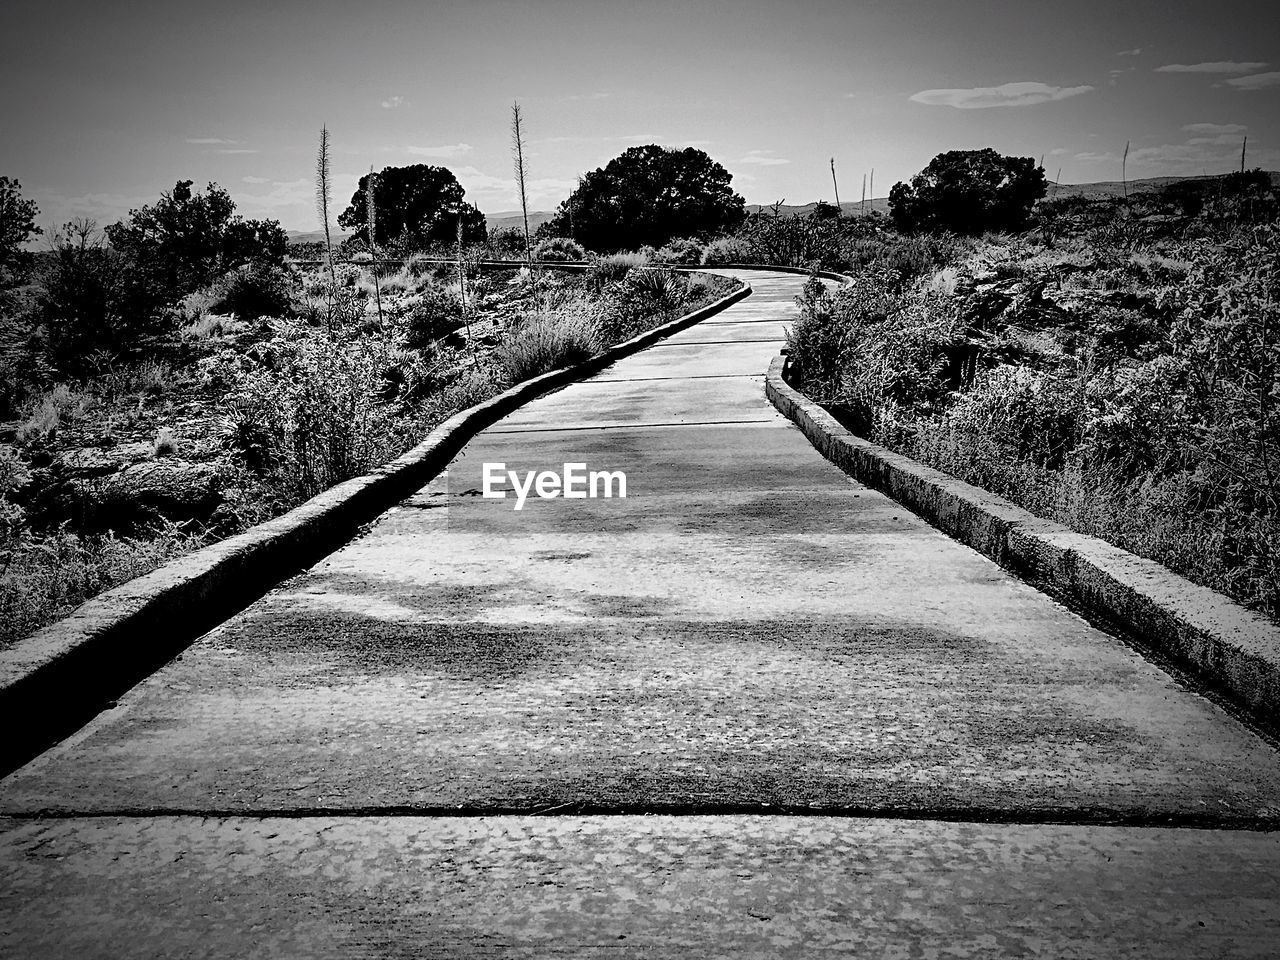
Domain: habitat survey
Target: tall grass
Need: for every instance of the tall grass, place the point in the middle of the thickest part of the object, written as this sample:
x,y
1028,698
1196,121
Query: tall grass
x,y
548,341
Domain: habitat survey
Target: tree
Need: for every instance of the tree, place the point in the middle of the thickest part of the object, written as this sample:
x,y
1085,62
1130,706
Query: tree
x,y
94,299
417,205
648,195
185,241
969,191
17,224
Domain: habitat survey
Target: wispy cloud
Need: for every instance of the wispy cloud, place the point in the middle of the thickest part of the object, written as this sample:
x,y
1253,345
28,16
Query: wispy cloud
x,y
1215,128
576,97
391,103
446,152
1212,66
236,150
1256,82
211,141
763,158
1023,94
1129,53
254,180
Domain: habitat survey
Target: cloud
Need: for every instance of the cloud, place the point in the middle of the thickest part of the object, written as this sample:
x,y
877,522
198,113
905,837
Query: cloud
x,y
211,141
1256,82
391,103
1215,128
1092,157
1221,139
761,158
254,180
1006,95
236,150
1129,53
574,97
1213,66
446,152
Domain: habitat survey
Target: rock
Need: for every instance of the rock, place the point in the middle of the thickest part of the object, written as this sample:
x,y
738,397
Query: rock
x,y
173,489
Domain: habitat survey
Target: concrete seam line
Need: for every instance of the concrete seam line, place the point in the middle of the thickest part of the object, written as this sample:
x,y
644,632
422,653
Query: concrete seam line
x,y
155,615
1231,647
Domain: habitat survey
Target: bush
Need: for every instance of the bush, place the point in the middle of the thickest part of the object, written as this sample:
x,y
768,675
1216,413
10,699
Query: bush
x,y
434,313
314,410
93,300
545,342
725,250
615,267
186,241
558,250
256,290
680,251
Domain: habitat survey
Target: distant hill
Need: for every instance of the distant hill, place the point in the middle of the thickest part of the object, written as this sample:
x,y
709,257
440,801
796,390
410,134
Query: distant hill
x,y
848,209
317,236
514,220
1116,188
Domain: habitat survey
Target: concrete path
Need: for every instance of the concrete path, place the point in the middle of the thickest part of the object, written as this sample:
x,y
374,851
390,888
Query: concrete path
x,y
752,709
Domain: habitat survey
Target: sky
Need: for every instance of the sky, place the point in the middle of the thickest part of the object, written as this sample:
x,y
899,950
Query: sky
x,y
107,104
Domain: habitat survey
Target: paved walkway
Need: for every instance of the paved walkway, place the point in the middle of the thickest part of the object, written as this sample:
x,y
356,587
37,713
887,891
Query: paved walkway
x,y
752,709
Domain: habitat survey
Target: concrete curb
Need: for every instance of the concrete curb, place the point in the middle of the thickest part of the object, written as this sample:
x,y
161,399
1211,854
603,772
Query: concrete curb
x,y
1230,647
55,680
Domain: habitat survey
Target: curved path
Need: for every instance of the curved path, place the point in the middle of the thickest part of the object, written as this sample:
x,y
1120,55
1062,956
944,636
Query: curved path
x,y
752,708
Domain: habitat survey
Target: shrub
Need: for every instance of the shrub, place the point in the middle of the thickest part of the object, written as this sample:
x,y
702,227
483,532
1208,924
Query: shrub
x,y
615,267
95,300
315,410
254,291
559,250
434,313
545,342
680,251
185,240
725,250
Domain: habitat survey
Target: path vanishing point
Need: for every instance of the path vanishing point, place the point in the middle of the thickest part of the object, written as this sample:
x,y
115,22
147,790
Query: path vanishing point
x,y
753,709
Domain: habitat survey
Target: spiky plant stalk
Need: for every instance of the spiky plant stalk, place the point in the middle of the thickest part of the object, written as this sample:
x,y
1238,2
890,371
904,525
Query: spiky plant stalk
x,y
517,155
462,288
873,189
834,185
862,207
371,224
1124,171
323,198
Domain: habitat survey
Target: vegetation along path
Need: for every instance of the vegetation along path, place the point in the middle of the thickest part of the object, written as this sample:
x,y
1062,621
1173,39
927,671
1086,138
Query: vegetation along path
x,y
751,708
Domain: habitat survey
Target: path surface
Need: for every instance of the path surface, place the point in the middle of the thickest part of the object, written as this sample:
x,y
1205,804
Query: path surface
x,y
751,709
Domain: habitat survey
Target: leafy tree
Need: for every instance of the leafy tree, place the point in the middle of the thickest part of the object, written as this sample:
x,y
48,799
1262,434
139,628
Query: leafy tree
x,y
17,224
969,191
95,300
185,241
648,196
417,205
